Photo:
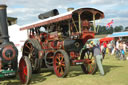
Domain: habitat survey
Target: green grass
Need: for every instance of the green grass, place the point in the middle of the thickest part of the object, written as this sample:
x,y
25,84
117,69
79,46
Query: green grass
x,y
116,73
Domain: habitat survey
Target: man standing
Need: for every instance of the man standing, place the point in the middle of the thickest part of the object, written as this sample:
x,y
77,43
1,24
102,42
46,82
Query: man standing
x,y
98,55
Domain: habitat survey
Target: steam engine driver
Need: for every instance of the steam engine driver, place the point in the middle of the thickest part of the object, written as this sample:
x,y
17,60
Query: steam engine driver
x,y
85,25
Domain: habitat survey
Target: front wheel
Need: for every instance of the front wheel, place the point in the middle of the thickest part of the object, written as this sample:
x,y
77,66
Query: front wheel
x,y
25,70
90,66
61,63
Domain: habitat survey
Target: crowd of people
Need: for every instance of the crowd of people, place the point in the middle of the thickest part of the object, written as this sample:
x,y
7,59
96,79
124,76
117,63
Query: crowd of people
x,y
117,47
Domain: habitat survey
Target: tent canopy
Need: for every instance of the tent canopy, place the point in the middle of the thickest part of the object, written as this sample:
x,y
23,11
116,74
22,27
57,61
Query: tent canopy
x,y
118,34
95,41
106,39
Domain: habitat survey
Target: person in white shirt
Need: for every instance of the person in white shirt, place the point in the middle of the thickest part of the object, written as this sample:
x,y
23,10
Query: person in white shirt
x,y
101,47
124,46
117,44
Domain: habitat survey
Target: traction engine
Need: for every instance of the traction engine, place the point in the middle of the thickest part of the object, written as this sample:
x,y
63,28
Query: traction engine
x,y
9,54
62,43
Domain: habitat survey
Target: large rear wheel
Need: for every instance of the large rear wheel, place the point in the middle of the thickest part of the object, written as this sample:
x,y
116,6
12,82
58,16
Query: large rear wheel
x,y
90,66
25,70
31,49
61,63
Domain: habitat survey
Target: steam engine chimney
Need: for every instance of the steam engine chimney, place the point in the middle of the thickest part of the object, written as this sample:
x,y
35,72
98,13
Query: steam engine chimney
x,y
3,24
48,14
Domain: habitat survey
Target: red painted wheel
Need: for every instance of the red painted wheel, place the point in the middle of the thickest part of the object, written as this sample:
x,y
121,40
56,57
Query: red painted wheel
x,y
61,63
90,66
25,70
31,49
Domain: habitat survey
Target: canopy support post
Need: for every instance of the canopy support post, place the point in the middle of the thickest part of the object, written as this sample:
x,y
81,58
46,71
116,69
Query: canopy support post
x,y
94,25
79,23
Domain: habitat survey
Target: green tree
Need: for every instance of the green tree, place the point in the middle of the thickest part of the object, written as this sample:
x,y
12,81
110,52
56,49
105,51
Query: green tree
x,y
126,28
118,28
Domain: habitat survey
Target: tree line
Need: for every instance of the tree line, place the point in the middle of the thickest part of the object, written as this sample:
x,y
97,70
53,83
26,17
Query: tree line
x,y
108,30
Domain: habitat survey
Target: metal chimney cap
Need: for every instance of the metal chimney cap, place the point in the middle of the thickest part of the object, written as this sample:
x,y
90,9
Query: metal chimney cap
x,y
2,6
70,9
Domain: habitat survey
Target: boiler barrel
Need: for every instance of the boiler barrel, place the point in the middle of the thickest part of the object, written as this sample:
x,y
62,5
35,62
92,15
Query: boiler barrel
x,y
73,45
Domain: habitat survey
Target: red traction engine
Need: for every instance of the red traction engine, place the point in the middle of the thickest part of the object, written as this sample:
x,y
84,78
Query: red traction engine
x,y
58,42
9,54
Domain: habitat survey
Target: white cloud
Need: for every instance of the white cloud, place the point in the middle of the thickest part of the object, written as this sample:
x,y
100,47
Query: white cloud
x,y
27,11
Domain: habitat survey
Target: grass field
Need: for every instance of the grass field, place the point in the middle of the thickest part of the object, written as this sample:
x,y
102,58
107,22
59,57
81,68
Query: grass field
x,y
116,73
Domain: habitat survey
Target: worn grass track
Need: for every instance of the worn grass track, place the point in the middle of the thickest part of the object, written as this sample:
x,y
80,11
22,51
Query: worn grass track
x,y
116,74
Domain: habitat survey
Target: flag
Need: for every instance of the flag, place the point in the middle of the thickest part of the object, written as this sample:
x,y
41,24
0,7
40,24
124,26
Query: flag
x,y
110,23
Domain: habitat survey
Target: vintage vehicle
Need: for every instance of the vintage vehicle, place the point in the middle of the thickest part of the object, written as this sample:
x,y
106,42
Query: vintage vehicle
x,y
58,41
9,54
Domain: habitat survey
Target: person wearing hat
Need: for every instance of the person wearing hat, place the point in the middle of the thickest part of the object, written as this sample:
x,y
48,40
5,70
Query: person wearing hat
x,y
91,44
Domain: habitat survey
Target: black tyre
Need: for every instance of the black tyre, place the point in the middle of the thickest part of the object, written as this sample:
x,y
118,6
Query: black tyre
x,y
61,63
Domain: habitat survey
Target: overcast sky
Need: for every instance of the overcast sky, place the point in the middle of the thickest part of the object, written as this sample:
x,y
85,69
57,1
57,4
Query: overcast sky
x,y
27,11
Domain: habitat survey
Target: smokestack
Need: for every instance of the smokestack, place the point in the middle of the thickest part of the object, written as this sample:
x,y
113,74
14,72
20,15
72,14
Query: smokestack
x,y
3,24
48,14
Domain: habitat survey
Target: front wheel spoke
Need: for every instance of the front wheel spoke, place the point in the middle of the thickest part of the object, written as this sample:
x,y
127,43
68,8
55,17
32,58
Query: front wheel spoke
x,y
57,67
61,71
63,64
62,59
93,61
57,63
58,58
90,68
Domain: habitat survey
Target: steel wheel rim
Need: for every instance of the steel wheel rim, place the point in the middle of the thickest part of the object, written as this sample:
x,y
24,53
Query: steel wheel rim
x,y
59,64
